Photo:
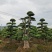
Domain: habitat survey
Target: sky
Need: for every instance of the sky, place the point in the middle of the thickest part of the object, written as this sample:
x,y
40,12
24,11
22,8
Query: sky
x,y
18,9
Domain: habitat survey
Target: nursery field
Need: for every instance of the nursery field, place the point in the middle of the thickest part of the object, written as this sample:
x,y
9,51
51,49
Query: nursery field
x,y
26,37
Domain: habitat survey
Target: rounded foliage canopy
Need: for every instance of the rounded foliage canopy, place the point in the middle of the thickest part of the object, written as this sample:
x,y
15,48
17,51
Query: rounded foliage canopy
x,y
42,19
30,13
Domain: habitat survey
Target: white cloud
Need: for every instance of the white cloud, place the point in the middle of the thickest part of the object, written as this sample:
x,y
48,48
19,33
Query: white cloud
x,y
19,8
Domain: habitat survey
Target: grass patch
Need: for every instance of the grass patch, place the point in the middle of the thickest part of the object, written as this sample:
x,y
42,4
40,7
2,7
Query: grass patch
x,y
44,48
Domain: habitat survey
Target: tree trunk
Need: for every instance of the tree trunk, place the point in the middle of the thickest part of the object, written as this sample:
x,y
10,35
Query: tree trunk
x,y
26,44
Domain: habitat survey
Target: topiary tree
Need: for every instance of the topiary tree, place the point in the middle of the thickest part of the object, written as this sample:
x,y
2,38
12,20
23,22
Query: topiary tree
x,y
25,26
29,18
11,28
43,28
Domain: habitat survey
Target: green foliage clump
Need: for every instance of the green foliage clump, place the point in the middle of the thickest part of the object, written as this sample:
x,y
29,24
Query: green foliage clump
x,y
4,33
25,38
33,31
18,35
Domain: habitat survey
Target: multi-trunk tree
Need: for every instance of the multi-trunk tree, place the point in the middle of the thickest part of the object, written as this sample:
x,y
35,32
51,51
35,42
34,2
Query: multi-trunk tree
x,y
29,18
25,37
25,25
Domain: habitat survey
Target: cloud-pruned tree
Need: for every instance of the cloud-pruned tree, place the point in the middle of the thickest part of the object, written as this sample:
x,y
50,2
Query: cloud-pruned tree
x,y
42,28
11,28
25,26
